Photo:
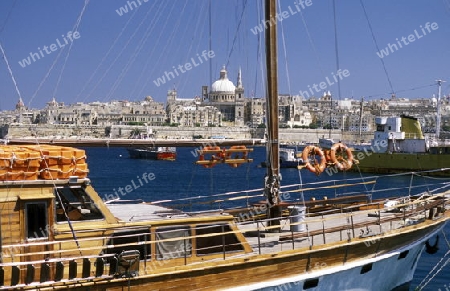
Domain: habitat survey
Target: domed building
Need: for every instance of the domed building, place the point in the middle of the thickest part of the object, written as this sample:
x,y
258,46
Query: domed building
x,y
20,106
226,97
223,85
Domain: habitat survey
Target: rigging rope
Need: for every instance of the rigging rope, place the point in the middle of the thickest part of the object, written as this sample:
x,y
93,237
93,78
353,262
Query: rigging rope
x,y
285,52
311,43
74,29
198,27
56,59
156,65
7,16
103,59
133,56
150,54
114,61
336,50
447,5
425,282
236,33
259,58
404,90
10,71
376,45
177,24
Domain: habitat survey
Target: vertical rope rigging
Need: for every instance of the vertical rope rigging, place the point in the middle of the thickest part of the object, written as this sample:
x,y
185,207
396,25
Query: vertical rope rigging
x,y
236,33
285,52
57,57
10,71
104,58
378,48
75,28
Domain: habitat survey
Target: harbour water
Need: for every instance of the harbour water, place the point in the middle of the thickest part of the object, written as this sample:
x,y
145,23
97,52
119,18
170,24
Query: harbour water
x,y
114,174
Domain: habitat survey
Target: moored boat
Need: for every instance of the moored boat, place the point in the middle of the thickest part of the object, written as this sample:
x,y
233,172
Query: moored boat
x,y
400,146
154,153
288,159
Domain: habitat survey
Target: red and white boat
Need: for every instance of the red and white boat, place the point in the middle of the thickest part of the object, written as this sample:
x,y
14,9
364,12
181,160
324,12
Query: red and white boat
x,y
153,153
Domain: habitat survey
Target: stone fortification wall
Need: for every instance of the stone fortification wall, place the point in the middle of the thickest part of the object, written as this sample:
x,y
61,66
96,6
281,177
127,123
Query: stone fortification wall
x,y
53,130
287,135
163,132
297,135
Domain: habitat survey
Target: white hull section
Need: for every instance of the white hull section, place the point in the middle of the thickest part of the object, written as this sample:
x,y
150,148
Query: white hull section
x,y
385,273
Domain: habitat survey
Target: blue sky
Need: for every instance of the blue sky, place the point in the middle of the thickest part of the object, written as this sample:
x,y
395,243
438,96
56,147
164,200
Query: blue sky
x,y
121,57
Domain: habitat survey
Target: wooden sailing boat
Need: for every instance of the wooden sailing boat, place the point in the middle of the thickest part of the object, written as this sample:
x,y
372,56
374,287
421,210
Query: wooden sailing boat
x,y
57,233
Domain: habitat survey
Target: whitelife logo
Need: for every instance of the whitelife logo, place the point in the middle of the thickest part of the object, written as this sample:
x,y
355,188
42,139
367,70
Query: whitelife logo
x,y
66,39
194,62
404,41
285,14
130,6
340,74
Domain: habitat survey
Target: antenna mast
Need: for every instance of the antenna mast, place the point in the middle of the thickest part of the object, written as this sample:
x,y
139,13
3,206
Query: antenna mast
x,y
438,107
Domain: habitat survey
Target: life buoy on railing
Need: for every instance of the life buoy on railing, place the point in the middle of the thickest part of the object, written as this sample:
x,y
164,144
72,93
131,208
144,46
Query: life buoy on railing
x,y
242,154
338,159
214,159
314,167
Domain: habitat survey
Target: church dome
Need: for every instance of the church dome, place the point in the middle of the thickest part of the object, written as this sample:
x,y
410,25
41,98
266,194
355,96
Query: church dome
x,y
20,104
223,84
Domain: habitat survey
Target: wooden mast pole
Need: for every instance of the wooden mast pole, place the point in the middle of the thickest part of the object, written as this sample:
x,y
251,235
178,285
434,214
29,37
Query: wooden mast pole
x,y
272,180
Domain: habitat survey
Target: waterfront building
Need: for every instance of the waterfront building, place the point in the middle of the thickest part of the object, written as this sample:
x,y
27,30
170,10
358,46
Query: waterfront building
x,y
227,98
255,111
191,112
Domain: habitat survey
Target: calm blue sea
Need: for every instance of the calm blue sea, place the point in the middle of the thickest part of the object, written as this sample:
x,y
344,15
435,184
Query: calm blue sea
x,y
111,169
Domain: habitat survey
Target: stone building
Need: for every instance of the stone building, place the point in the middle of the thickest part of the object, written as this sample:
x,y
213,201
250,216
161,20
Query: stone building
x,y
191,112
255,111
227,98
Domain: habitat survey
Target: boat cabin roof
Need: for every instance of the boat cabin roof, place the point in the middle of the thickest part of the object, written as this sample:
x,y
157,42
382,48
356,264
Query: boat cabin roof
x,y
137,210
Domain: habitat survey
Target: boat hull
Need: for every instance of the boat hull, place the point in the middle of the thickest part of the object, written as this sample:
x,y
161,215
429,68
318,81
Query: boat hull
x,y
388,270
152,154
386,163
285,164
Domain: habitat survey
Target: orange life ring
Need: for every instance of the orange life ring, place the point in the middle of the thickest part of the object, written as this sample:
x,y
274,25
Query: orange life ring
x,y
240,157
339,161
327,155
213,158
314,167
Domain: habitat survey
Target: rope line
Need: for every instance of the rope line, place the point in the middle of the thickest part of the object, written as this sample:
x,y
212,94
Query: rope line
x,y
376,45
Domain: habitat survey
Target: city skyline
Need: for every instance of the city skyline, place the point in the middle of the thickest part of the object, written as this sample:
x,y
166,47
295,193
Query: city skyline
x,y
119,49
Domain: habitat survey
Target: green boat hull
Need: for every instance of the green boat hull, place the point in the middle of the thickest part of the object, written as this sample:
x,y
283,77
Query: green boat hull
x,y
389,163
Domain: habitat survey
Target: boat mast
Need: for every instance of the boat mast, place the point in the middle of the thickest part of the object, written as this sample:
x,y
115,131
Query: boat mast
x,y
438,108
272,180
360,118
